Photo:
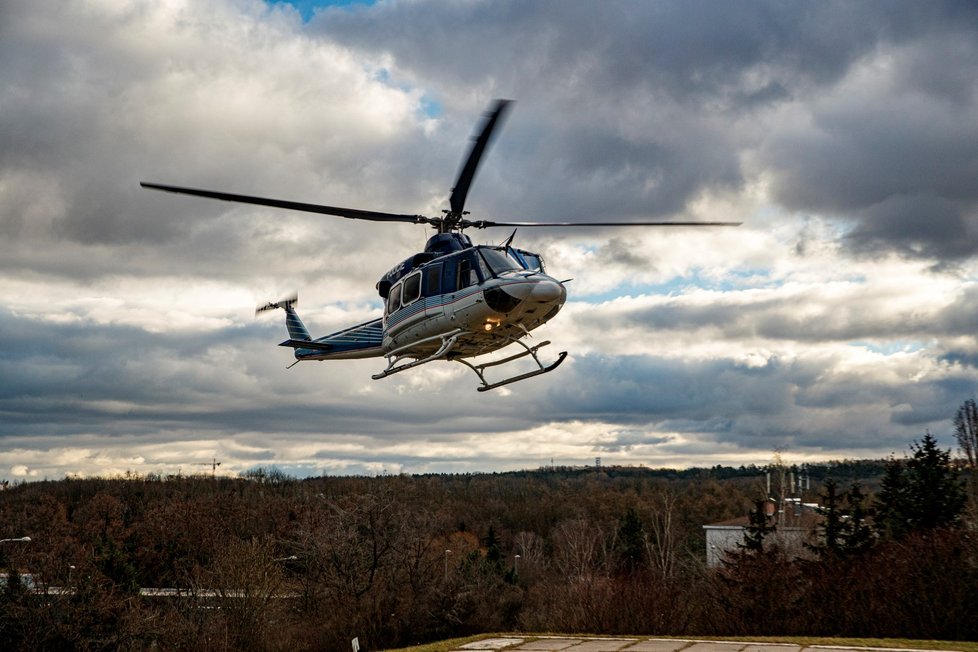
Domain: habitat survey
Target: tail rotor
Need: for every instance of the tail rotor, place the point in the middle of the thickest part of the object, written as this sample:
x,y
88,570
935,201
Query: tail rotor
x,y
297,330
286,304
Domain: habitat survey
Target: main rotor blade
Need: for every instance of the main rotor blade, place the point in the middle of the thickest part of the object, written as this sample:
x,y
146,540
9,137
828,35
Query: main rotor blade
x,y
479,144
484,224
350,213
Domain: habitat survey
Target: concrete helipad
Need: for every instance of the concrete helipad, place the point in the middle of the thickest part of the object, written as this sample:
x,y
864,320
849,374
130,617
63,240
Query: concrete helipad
x,y
642,644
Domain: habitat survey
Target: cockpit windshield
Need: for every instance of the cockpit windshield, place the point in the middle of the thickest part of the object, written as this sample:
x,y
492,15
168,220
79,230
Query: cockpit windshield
x,y
533,262
527,260
498,260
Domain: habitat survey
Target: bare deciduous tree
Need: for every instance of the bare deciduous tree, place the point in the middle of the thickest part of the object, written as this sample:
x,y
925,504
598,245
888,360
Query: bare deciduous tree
x,y
579,548
531,548
966,432
664,541
250,587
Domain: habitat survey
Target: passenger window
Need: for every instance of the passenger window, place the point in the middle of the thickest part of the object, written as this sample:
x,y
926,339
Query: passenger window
x,y
432,280
394,299
412,289
465,273
449,278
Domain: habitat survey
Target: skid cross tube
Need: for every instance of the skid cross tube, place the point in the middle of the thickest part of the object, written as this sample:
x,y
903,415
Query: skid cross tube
x,y
447,342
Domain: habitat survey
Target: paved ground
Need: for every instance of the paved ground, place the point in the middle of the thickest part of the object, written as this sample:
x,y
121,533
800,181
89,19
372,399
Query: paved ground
x,y
613,644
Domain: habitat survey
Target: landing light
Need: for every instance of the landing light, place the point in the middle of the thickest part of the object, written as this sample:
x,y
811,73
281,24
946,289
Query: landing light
x,y
488,326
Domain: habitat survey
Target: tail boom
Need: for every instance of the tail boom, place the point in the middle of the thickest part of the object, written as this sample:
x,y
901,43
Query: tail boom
x,y
361,341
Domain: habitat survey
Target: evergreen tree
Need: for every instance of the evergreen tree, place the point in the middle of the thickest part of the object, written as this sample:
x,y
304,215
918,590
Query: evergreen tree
x,y
10,614
892,508
493,552
857,535
831,528
14,588
113,562
936,496
757,529
921,493
630,540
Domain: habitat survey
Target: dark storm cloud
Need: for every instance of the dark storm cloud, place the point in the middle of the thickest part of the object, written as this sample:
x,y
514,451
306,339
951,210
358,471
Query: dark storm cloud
x,y
627,440
894,151
695,51
84,377
73,377
927,226
784,403
95,100
650,387
644,106
900,168
594,170
849,312
65,133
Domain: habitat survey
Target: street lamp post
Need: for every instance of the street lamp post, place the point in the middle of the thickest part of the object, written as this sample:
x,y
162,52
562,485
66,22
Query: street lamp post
x,y
15,540
447,552
516,564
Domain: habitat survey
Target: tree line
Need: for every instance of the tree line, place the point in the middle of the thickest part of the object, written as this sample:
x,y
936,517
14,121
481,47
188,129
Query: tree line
x,y
271,562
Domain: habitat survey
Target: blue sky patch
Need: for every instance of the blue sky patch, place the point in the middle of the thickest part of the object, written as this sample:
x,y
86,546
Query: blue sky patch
x,y
732,281
430,107
891,347
307,8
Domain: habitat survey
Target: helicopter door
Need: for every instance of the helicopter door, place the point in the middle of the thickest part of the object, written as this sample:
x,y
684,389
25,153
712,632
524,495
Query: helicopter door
x,y
432,290
393,301
460,286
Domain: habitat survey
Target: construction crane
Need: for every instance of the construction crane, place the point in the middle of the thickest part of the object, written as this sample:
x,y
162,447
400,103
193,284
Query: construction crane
x,y
213,464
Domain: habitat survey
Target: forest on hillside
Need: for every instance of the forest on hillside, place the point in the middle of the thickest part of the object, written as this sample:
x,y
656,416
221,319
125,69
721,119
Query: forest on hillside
x,y
267,562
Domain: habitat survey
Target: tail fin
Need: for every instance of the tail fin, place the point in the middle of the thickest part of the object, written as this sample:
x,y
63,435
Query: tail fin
x,y
297,330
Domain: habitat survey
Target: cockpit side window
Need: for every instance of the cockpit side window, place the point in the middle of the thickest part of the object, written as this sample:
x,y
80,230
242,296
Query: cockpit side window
x,y
466,275
394,299
484,270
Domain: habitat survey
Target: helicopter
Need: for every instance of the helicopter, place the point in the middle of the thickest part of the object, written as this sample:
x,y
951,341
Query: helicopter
x,y
455,300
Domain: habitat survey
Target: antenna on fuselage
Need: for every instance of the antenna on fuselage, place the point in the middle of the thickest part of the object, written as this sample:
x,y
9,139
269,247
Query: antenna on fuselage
x,y
509,240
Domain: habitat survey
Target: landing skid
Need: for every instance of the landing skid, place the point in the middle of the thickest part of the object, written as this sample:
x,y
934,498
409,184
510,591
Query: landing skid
x,y
531,351
448,341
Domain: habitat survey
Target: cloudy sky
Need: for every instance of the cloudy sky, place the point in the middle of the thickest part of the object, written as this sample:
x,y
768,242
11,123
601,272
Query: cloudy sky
x,y
838,321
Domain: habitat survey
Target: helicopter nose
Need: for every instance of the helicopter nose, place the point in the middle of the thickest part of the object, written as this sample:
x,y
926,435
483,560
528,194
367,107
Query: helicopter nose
x,y
536,291
548,291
